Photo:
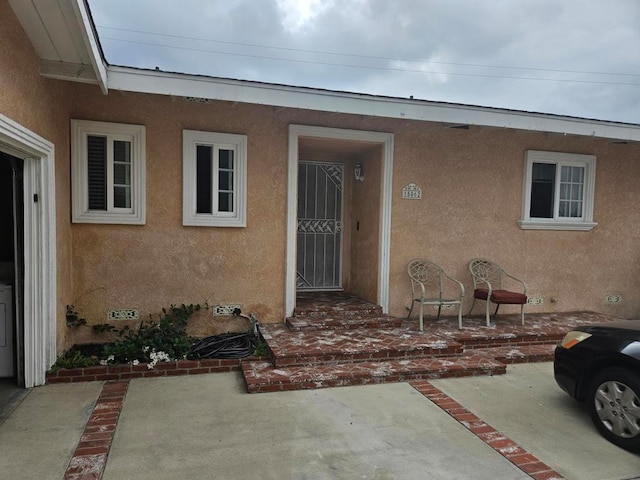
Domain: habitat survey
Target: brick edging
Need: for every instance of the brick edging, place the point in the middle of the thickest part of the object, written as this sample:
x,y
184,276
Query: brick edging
x,y
129,371
90,457
513,452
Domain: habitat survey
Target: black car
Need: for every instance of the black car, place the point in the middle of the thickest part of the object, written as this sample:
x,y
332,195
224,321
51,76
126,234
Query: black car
x,y
600,364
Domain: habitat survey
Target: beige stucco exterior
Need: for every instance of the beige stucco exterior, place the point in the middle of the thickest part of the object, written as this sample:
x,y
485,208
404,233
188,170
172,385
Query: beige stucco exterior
x,y
471,181
42,106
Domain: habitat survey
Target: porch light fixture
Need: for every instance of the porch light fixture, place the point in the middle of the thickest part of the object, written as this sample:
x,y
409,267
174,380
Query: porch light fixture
x,y
359,172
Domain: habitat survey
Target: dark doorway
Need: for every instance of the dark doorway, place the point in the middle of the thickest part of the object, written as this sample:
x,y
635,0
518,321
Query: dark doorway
x,y
11,270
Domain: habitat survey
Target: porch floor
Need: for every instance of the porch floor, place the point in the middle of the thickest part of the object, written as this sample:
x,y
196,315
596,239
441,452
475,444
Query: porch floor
x,y
337,339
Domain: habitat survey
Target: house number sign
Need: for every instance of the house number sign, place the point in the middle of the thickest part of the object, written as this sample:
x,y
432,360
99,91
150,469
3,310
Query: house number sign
x,y
412,192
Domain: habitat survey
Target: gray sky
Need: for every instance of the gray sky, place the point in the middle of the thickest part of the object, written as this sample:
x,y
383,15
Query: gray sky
x,y
568,57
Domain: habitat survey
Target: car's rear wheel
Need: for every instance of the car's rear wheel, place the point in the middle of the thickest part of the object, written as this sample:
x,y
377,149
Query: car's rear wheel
x,y
614,404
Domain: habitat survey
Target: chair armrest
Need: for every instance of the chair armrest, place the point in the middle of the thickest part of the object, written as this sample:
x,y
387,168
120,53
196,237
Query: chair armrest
x,y
413,288
456,281
478,282
524,285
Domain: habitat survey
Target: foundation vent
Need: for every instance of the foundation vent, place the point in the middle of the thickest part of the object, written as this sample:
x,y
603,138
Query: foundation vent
x,y
224,310
197,100
123,314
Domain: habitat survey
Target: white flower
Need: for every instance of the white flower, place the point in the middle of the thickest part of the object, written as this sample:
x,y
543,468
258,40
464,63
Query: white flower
x,y
136,362
158,357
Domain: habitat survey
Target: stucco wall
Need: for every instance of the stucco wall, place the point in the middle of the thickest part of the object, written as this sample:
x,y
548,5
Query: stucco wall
x,y
365,227
161,263
472,195
42,106
472,199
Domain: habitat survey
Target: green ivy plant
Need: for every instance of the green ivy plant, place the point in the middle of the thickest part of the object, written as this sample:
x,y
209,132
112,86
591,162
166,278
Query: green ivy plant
x,y
73,318
164,338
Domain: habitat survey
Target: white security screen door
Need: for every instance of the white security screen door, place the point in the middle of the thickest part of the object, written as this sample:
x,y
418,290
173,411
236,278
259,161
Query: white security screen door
x,y
319,250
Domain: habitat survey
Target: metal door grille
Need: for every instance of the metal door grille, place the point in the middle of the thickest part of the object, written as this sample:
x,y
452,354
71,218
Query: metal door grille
x,y
319,261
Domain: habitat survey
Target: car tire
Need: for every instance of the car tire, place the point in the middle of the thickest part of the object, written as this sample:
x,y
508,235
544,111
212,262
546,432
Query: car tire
x,y
614,405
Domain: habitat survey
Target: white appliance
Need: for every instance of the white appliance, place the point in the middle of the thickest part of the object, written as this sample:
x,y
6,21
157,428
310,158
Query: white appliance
x,y
6,331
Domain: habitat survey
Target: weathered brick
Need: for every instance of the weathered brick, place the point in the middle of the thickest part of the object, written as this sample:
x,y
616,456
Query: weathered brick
x,y
198,371
102,450
548,475
535,467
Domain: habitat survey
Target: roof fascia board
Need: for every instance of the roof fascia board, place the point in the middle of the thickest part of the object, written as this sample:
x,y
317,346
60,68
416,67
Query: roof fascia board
x,y
91,43
163,83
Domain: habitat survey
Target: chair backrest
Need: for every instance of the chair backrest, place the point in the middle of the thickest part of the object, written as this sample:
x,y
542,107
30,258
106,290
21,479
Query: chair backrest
x,y
485,271
425,273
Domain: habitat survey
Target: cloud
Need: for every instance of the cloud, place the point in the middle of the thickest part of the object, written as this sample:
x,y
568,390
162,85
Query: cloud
x,y
298,14
575,57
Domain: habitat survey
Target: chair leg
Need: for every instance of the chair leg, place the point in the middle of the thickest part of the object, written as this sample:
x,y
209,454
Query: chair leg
x,y
522,313
472,305
439,308
488,315
460,316
421,317
411,309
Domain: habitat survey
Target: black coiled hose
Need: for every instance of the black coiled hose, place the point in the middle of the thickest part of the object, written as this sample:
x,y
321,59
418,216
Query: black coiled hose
x,y
226,345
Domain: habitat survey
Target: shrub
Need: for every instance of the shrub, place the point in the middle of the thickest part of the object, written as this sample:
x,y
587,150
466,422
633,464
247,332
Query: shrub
x,y
163,340
74,358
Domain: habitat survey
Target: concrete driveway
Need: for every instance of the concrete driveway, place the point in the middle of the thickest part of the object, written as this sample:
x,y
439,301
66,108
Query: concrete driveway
x,y
528,407
206,427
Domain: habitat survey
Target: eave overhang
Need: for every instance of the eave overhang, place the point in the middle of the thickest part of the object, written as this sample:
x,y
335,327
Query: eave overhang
x,y
64,37
243,91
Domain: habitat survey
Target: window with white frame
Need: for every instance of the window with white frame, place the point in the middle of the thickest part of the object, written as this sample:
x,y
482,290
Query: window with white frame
x,y
558,191
214,179
108,172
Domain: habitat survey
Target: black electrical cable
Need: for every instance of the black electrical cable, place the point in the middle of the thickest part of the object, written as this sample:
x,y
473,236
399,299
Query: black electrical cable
x,y
226,345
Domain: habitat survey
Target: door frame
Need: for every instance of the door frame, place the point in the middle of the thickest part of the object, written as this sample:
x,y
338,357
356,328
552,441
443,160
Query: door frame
x,y
40,301
380,138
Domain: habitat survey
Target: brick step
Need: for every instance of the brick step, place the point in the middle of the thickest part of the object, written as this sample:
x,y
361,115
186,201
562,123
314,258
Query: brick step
x,y
351,310
347,346
488,339
538,330
297,324
518,353
264,377
334,304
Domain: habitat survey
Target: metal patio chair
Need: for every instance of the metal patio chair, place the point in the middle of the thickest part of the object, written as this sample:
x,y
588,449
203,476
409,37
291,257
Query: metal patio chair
x,y
428,286
488,285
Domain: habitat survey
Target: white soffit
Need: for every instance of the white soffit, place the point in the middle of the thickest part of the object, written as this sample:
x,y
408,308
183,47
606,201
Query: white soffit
x,y
63,37
164,83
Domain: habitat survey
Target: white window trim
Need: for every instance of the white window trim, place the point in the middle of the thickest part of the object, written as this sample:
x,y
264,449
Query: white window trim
x,y
586,221
190,140
136,215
